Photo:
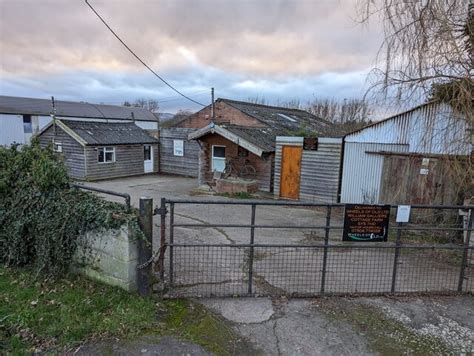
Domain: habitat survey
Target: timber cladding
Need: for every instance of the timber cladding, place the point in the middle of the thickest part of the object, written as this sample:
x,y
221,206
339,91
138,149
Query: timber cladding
x,y
128,162
72,152
82,161
186,165
318,177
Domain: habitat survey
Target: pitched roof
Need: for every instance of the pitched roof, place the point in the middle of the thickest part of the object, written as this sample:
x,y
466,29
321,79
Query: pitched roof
x,y
33,106
260,137
285,119
102,133
257,140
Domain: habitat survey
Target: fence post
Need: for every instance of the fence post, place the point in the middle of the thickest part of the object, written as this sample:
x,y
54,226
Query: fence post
x,y
161,259
171,241
251,251
145,246
326,247
396,257
465,252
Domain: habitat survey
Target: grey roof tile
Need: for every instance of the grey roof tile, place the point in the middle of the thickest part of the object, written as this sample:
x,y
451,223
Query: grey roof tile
x,y
102,133
285,119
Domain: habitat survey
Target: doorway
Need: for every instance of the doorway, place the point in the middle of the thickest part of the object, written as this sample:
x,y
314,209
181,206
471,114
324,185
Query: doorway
x,y
290,172
148,158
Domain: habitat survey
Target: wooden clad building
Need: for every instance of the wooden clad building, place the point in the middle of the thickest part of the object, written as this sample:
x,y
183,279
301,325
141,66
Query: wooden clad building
x,y
100,150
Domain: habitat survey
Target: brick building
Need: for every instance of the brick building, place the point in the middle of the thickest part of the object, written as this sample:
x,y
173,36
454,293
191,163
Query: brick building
x,y
247,131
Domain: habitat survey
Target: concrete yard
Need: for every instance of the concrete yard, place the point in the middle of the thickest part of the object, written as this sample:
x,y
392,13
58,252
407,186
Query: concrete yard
x,y
294,270
425,325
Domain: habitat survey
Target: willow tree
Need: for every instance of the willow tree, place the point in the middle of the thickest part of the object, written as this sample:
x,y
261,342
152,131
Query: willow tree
x,y
427,52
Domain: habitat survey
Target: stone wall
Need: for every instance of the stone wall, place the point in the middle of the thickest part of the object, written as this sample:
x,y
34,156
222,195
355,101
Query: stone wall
x,y
112,257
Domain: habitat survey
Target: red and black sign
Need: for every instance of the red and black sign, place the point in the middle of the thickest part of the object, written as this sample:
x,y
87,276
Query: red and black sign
x,y
366,222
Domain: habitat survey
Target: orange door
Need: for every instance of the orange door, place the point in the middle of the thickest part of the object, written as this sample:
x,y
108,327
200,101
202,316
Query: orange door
x,y
290,172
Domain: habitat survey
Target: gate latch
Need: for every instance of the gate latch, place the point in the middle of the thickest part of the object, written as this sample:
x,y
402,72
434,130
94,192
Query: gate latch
x,y
160,211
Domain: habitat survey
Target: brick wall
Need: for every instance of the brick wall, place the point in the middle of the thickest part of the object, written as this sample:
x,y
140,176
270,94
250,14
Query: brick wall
x,y
263,166
224,113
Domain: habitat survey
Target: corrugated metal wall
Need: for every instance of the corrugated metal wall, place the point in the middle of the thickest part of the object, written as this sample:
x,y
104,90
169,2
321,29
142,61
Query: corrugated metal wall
x,y
11,130
362,172
320,171
431,128
186,165
319,177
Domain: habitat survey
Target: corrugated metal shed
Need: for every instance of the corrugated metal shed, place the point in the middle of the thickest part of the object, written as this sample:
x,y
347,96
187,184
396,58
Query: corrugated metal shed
x,y
428,128
319,175
362,172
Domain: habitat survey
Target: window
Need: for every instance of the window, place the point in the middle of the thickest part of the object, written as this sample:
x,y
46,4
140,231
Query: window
x,y
27,125
106,155
57,146
218,158
147,153
178,148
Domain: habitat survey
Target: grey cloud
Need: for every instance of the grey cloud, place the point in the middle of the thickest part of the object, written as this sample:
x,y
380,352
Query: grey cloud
x,y
287,47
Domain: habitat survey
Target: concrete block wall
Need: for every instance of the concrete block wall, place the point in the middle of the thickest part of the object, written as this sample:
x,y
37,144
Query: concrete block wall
x,y
111,257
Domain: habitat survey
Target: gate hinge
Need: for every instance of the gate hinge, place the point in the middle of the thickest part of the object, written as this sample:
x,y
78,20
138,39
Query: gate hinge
x,y
160,211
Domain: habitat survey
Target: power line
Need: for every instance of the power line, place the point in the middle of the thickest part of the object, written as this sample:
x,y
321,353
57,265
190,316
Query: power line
x,y
139,59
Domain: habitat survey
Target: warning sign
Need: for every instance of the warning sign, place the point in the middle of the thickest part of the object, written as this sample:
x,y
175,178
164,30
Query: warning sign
x,y
366,222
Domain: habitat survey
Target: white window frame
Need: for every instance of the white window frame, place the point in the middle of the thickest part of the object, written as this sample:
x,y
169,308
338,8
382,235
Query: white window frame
x,y
177,145
218,158
57,146
106,149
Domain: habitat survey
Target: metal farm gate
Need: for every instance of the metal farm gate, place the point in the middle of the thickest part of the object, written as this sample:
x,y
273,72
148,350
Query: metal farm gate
x,y
273,248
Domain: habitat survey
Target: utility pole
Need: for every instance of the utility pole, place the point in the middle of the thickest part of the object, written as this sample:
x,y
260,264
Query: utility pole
x,y
212,105
53,114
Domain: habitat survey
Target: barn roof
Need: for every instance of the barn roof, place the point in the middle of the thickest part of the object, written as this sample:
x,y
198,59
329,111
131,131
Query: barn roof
x,y
285,119
90,133
43,107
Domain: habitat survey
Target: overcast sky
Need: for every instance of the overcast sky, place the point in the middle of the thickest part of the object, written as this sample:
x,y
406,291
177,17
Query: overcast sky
x,y
280,50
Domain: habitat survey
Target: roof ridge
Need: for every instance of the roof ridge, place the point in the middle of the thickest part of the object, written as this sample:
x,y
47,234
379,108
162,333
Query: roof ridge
x,y
58,101
263,105
429,102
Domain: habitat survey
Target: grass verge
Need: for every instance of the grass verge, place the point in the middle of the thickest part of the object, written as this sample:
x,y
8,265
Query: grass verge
x,y
60,315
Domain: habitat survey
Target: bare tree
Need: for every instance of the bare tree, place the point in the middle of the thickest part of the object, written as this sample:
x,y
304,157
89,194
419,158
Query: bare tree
x,y
348,115
149,104
428,45
257,100
428,52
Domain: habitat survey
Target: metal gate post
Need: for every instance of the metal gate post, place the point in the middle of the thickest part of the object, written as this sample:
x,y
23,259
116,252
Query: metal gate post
x,y
465,253
145,246
251,251
396,257
161,259
326,247
171,241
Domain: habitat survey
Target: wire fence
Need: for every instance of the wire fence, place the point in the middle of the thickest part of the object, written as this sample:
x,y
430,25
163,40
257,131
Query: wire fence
x,y
255,251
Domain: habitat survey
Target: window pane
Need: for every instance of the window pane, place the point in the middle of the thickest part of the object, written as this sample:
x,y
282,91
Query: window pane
x,y
100,157
109,156
219,152
147,153
218,164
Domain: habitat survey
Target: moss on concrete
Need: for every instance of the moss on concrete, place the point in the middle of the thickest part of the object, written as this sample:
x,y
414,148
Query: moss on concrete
x,y
384,334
